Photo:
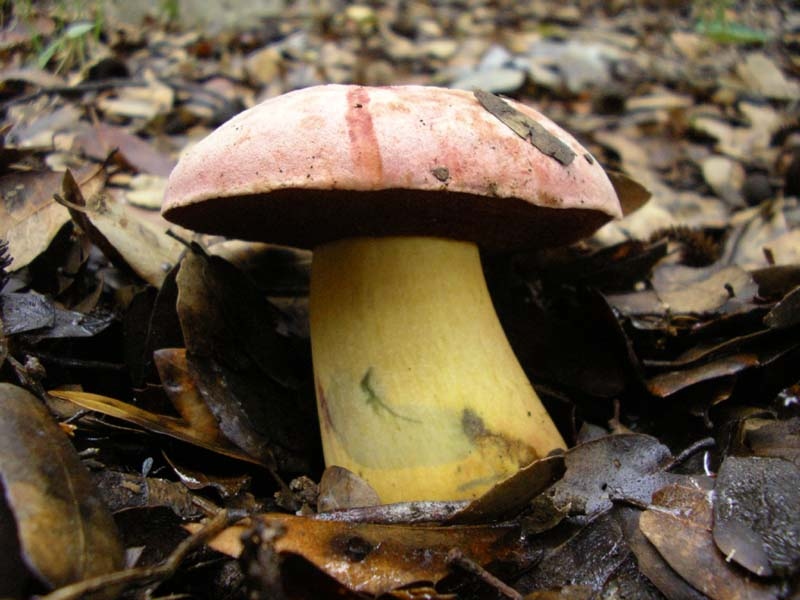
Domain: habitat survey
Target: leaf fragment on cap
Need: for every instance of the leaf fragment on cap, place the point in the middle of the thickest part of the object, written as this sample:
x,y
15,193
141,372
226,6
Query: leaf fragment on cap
x,y
526,128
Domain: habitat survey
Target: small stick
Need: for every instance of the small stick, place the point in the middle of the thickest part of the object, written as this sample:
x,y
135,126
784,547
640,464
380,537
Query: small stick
x,y
456,558
141,575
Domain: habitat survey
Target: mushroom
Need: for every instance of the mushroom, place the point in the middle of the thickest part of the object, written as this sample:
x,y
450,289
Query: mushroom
x,y
394,189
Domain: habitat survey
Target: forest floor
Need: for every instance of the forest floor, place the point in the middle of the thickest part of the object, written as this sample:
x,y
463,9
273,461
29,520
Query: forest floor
x,y
135,425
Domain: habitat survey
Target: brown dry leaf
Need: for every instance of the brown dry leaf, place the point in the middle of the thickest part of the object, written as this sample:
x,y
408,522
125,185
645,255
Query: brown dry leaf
x,y
762,76
122,491
666,384
678,524
121,235
526,128
773,226
139,102
650,562
743,142
511,496
29,218
146,191
181,390
375,559
340,488
66,534
103,139
666,206
700,291
632,195
36,124
755,514
780,439
156,423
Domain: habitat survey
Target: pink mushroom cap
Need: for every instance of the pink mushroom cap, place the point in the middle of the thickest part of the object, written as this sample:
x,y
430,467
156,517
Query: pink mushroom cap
x,y
340,161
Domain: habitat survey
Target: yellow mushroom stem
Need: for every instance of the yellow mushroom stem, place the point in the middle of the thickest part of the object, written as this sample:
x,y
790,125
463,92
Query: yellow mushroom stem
x,y
418,390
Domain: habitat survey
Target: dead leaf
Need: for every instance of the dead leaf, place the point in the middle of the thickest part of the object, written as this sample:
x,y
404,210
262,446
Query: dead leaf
x,y
589,557
38,318
700,291
222,314
241,365
679,524
123,237
141,101
161,424
779,439
761,75
526,128
66,534
624,467
755,514
632,195
666,384
375,559
29,218
508,498
738,141
183,393
651,562
340,488
141,156
123,491
785,313
37,124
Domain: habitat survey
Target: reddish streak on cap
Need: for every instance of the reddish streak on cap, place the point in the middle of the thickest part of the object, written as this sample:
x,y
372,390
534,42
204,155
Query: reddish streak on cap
x,y
364,150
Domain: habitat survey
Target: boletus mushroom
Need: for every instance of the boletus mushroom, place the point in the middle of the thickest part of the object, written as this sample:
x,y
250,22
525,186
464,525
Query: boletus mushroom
x,y
395,189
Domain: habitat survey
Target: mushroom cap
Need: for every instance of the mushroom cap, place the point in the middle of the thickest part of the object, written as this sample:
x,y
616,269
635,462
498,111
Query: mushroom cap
x,y
340,161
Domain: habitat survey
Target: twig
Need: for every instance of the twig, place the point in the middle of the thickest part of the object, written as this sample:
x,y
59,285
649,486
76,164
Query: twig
x,y
63,90
142,575
405,513
456,558
703,444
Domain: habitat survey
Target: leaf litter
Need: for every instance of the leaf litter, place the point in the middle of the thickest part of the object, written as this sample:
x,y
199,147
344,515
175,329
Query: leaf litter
x,y
689,305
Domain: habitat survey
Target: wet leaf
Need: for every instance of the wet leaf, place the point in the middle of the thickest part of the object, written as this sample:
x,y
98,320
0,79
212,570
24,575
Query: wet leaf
x,y
26,312
66,534
785,313
375,559
123,491
624,467
589,557
779,439
666,384
38,318
755,514
651,563
679,524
